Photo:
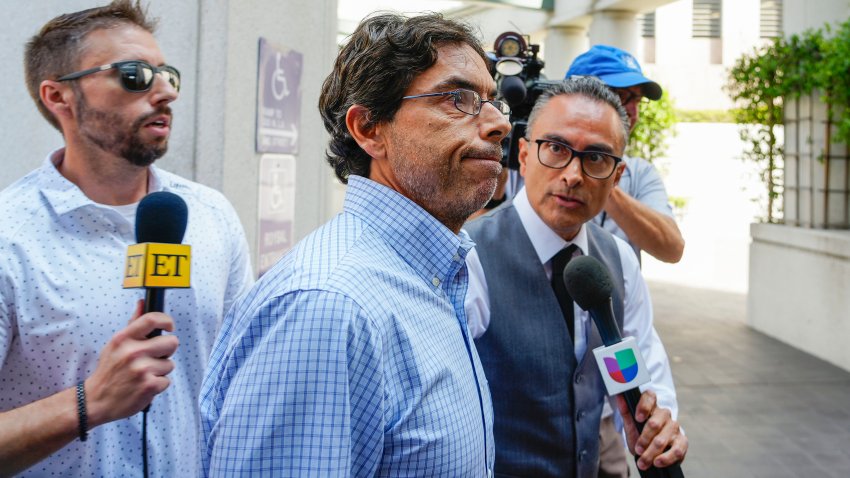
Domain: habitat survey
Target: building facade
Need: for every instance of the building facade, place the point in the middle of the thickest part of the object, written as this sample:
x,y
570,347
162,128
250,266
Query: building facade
x,y
800,270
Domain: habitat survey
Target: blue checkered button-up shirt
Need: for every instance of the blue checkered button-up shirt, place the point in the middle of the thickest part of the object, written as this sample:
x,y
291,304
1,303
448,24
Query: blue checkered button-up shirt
x,y
352,357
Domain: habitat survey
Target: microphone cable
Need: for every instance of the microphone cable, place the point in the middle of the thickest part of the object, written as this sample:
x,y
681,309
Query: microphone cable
x,y
160,218
145,442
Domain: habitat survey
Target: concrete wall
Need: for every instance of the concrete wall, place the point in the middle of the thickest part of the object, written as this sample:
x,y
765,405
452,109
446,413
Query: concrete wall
x,y
567,31
800,15
799,276
798,292
682,63
229,119
492,22
722,196
214,43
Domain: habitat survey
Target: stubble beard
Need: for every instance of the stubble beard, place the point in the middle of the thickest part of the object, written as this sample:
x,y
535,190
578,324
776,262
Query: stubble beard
x,y
105,130
448,197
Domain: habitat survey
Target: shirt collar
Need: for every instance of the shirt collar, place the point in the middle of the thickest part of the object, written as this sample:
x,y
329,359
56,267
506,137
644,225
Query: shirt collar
x,y
546,242
65,196
431,249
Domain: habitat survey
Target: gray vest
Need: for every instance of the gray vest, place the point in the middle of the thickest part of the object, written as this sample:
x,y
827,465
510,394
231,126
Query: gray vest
x,y
546,406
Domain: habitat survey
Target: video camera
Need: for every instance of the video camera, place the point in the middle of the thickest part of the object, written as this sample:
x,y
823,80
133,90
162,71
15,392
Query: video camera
x,y
517,74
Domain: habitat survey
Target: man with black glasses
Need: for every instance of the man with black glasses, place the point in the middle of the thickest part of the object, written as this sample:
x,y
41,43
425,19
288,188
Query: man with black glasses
x,y
533,341
73,372
638,210
352,357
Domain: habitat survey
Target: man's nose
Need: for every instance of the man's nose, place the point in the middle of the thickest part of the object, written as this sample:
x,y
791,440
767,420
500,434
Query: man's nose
x,y
162,90
573,174
494,123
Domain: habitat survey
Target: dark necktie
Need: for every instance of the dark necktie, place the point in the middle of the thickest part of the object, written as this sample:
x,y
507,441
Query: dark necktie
x,y
559,262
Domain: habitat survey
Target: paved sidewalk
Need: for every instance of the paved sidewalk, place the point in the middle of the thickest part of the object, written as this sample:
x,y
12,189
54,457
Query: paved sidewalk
x,y
751,405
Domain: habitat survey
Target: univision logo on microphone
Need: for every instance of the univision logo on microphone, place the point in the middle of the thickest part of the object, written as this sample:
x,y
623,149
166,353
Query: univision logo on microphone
x,y
152,264
622,366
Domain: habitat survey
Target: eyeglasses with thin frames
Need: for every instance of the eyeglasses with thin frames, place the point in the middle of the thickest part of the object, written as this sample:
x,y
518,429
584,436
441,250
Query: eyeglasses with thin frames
x,y
557,155
467,101
136,75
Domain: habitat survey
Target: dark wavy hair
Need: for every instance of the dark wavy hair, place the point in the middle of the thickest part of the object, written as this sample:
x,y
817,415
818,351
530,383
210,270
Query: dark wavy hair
x,y
56,49
374,69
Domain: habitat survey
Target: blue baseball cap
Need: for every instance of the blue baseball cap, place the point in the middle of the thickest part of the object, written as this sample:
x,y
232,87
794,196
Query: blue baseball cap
x,y
616,68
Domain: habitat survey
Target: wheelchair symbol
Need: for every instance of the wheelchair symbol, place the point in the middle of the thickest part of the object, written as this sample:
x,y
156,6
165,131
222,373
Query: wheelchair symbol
x,y
277,199
280,89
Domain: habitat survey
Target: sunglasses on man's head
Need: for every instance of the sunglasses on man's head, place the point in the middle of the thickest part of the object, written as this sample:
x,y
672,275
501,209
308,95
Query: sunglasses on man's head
x,y
136,75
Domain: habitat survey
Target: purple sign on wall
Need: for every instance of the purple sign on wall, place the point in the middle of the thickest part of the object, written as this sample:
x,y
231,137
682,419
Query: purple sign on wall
x,y
276,207
278,99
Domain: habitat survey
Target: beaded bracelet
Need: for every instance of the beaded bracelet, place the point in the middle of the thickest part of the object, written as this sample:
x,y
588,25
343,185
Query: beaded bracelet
x,y
81,411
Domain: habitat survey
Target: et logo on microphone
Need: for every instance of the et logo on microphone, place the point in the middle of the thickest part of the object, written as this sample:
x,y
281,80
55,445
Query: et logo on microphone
x,y
152,264
621,366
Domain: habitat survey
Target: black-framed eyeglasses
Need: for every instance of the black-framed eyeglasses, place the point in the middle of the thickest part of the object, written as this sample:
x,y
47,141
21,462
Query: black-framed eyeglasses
x,y
467,101
626,95
136,75
557,155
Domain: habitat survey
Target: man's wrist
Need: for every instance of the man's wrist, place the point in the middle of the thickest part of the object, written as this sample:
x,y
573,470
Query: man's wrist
x,y
82,415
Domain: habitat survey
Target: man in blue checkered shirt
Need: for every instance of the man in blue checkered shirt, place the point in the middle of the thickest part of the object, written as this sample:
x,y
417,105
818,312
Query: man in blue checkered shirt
x,y
352,356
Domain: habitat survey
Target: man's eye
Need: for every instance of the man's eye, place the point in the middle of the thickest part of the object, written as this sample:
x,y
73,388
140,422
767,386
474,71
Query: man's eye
x,y
454,98
594,157
557,148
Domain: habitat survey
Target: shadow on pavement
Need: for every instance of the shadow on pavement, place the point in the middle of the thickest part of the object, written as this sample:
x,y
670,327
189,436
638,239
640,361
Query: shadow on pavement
x,y
752,406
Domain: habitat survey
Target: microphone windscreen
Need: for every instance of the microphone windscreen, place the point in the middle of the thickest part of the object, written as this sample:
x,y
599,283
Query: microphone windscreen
x,y
512,89
588,282
161,217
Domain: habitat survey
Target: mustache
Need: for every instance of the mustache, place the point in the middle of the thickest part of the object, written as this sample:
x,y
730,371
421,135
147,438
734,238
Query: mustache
x,y
572,193
163,110
494,151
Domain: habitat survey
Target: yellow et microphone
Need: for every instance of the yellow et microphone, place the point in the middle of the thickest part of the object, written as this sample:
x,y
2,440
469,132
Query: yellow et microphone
x,y
159,260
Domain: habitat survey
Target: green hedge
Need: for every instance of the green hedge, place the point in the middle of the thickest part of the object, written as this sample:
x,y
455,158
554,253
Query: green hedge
x,y
816,60
705,116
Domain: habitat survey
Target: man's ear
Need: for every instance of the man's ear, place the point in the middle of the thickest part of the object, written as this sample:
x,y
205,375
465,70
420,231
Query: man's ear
x,y
58,98
618,172
368,136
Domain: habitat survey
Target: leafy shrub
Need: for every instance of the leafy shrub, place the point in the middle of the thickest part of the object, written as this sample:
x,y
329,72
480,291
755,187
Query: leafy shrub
x,y
654,128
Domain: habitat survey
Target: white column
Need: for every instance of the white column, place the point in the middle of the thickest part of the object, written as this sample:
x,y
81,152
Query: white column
x,y
617,28
561,46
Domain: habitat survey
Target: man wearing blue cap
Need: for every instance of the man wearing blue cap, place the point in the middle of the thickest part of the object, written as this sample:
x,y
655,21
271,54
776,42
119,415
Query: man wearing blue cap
x,y
638,209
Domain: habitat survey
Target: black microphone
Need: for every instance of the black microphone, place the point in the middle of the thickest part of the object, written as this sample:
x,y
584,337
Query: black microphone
x,y
161,218
590,285
513,90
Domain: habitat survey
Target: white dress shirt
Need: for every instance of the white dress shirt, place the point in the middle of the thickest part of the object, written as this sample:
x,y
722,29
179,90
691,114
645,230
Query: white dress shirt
x,y
637,310
62,260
